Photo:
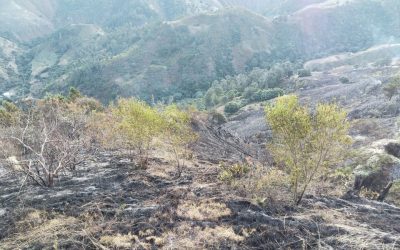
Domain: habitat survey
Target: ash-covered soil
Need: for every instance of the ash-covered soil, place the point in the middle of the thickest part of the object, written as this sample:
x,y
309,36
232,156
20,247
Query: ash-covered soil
x,y
151,209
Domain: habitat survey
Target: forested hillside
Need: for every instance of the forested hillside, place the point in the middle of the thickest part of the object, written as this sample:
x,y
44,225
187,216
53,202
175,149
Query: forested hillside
x,y
176,49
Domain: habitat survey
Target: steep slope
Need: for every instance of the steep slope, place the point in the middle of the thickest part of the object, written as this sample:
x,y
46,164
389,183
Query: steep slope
x,y
175,49
26,19
338,26
65,48
182,57
383,55
8,67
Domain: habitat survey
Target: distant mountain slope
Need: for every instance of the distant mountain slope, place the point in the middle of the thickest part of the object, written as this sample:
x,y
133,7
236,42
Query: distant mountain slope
x,y
26,19
166,49
383,55
183,57
338,26
8,66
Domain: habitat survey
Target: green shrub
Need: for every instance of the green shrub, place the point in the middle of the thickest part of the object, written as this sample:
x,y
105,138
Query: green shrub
x,y
232,107
392,89
218,118
230,173
269,94
266,94
304,73
308,143
8,113
249,92
138,124
344,80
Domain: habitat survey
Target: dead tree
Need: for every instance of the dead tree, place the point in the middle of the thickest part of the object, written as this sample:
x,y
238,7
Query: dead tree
x,y
47,138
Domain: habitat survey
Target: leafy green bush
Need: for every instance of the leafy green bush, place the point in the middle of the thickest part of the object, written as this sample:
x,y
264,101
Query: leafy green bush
x,y
8,113
230,173
307,143
218,117
344,80
139,124
177,132
232,107
250,87
392,89
266,94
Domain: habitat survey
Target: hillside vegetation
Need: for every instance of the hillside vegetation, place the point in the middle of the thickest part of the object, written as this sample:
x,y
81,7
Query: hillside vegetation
x,y
176,50
199,124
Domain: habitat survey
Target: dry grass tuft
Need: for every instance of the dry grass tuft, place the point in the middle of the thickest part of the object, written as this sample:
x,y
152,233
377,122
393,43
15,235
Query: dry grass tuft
x,y
186,236
207,210
119,241
35,229
269,186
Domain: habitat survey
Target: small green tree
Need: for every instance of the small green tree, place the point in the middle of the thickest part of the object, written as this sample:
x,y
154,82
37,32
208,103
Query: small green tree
x,y
139,124
344,80
307,143
210,98
232,107
8,113
74,94
392,89
178,132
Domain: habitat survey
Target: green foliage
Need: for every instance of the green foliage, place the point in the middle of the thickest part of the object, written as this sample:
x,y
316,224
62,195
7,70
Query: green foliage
x,y
344,80
217,117
139,124
232,172
256,86
266,94
232,107
178,132
8,114
392,88
74,94
307,143
210,99
134,125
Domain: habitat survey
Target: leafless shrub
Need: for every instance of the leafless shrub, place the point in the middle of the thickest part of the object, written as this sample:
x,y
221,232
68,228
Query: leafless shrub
x,y
47,137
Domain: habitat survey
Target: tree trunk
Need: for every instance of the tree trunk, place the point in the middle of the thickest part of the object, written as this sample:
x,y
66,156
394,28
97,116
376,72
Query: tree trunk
x,y
300,197
50,180
385,192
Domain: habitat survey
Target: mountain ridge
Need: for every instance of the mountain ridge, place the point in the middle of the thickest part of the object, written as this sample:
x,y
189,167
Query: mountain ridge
x,y
156,43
